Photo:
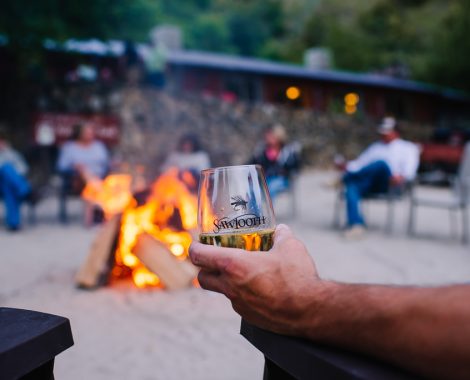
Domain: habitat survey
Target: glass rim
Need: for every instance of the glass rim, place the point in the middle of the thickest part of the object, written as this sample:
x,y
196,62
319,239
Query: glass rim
x,y
231,167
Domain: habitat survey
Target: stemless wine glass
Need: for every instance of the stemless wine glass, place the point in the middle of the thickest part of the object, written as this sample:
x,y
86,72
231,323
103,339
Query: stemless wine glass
x,y
235,209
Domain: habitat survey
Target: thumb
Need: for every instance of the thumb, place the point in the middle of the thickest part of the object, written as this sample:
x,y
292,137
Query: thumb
x,y
282,232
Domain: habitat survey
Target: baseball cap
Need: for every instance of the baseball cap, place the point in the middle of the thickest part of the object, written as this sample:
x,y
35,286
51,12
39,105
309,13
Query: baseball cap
x,y
387,125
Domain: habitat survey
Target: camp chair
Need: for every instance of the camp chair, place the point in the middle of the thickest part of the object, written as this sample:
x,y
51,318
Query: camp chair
x,y
457,202
395,194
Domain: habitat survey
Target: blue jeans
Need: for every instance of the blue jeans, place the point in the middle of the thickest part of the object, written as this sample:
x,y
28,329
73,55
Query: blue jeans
x,y
276,185
13,188
371,179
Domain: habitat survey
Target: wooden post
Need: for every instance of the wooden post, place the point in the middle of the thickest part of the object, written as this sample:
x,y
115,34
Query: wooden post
x,y
96,268
174,274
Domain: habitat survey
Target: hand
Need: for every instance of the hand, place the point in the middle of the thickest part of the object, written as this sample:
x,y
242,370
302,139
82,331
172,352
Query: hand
x,y
277,290
340,162
397,180
80,169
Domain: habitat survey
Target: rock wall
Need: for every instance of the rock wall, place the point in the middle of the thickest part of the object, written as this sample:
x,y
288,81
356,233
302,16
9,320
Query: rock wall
x,y
153,121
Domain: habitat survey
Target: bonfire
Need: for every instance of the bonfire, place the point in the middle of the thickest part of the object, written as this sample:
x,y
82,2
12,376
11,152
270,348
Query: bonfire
x,y
147,233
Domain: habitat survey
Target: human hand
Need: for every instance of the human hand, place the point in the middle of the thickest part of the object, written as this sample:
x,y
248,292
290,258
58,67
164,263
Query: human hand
x,y
79,168
340,162
277,290
397,180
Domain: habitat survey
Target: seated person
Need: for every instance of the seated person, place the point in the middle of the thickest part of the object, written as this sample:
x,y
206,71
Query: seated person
x,y
189,157
14,187
81,160
388,162
278,159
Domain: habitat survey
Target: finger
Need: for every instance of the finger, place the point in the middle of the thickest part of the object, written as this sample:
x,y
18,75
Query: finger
x,y
212,258
211,281
282,232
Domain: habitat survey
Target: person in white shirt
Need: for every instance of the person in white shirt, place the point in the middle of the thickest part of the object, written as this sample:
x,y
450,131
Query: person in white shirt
x,y
190,158
189,155
82,160
391,161
84,156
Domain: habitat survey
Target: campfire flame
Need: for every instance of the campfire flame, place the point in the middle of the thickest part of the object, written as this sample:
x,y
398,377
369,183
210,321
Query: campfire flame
x,y
169,214
112,194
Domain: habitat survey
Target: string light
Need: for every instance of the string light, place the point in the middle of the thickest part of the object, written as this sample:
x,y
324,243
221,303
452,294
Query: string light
x,y
293,93
350,103
350,109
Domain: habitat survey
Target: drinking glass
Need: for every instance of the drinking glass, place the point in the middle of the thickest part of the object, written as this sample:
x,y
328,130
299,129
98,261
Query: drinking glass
x,y
235,209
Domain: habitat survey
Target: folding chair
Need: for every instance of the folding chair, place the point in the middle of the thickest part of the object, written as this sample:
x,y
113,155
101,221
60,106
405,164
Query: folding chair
x,y
457,202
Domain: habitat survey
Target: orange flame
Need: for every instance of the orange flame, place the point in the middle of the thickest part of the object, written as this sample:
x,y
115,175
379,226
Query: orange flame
x,y
168,214
113,193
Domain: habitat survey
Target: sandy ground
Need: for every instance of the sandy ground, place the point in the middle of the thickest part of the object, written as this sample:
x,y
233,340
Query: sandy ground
x,y
124,333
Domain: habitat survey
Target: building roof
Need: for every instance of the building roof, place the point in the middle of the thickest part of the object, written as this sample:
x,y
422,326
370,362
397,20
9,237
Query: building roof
x,y
257,66
265,67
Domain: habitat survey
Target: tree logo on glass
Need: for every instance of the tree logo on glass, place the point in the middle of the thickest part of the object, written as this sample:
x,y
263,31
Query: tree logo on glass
x,y
238,203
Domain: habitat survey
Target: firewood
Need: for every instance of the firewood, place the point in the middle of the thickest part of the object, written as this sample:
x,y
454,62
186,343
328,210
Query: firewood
x,y
174,274
96,268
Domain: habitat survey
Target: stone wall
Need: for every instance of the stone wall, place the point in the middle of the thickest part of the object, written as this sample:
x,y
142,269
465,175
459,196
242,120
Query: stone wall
x,y
153,121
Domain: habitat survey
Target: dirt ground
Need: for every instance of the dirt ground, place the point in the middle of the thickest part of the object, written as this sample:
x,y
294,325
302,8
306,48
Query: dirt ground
x,y
121,332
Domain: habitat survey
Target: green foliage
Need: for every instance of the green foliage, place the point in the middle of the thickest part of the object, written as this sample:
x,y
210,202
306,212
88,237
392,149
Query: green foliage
x,y
27,24
252,24
429,37
450,61
30,22
209,33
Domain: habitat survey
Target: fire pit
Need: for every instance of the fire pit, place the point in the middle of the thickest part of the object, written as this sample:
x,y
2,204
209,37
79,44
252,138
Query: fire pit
x,y
147,232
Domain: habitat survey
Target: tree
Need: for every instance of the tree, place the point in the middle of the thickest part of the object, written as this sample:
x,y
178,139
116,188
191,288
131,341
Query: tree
x,y
252,24
450,58
209,32
27,24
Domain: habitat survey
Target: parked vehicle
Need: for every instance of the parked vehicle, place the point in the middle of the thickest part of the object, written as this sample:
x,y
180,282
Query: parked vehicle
x,y
440,157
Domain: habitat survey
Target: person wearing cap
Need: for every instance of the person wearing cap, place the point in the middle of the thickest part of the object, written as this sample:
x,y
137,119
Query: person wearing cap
x,y
391,161
278,159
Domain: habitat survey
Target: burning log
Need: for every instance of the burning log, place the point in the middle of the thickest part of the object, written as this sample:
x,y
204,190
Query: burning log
x,y
150,239
175,274
95,271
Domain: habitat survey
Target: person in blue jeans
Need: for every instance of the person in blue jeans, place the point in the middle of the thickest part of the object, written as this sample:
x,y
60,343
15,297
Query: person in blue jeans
x,y
14,187
371,179
388,162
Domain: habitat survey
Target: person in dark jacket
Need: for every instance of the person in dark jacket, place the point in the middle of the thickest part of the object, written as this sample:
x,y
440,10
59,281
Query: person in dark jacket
x,y
279,159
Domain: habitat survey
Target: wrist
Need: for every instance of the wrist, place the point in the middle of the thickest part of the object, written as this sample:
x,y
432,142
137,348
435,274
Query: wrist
x,y
316,315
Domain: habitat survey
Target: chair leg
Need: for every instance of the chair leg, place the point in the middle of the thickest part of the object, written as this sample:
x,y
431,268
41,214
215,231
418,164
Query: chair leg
x,y
63,218
412,219
453,223
32,214
390,217
293,202
337,211
464,225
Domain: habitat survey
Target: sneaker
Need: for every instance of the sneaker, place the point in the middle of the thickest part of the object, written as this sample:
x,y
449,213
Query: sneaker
x,y
334,184
356,232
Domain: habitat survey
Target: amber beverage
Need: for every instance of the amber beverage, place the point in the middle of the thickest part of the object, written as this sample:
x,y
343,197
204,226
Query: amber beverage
x,y
256,241
235,209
